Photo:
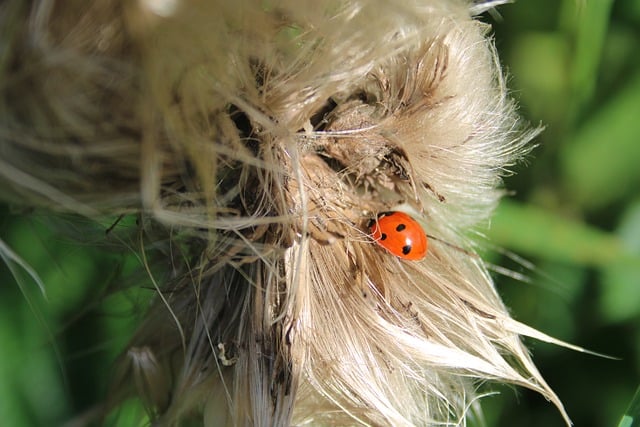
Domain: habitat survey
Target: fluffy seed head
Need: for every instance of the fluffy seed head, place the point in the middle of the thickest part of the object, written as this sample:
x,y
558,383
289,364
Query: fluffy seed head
x,y
255,141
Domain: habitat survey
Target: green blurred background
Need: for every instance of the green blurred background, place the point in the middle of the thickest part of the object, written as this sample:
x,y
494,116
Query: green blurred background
x,y
574,219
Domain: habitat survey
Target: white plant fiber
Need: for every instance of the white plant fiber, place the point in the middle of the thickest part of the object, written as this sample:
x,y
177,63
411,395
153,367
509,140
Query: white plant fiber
x,y
254,140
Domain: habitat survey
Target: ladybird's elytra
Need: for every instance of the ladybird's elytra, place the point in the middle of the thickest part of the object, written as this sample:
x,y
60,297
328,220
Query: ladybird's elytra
x,y
399,234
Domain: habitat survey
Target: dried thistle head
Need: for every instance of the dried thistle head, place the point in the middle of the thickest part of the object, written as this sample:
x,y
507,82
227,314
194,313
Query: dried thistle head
x,y
255,141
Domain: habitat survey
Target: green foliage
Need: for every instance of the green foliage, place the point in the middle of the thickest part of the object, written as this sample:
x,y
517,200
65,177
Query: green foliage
x,y
61,330
576,211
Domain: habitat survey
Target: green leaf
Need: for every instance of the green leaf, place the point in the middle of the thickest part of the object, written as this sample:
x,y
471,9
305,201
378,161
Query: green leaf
x,y
539,67
620,298
537,232
587,24
601,163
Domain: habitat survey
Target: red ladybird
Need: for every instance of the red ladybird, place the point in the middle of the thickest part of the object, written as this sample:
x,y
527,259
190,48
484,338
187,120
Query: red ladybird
x,y
400,234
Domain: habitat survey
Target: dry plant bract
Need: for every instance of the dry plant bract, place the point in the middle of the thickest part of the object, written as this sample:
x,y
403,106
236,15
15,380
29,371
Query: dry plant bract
x,y
254,141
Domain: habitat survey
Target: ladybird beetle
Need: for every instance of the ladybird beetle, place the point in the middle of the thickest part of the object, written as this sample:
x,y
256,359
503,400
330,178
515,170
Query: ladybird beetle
x,y
400,234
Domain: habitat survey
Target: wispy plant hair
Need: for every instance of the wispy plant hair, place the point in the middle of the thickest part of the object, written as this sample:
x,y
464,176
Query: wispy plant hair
x,y
254,141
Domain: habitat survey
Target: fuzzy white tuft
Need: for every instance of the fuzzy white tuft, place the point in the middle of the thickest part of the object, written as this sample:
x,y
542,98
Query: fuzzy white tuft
x,y
255,140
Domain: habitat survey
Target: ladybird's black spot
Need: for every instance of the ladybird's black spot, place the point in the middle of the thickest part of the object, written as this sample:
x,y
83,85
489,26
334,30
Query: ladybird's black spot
x,y
400,227
383,237
406,250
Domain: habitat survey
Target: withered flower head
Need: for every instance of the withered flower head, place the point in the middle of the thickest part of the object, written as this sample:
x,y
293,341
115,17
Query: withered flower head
x,y
255,141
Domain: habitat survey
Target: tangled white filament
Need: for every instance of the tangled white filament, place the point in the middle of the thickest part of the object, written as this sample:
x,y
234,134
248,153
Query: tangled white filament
x,y
255,139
